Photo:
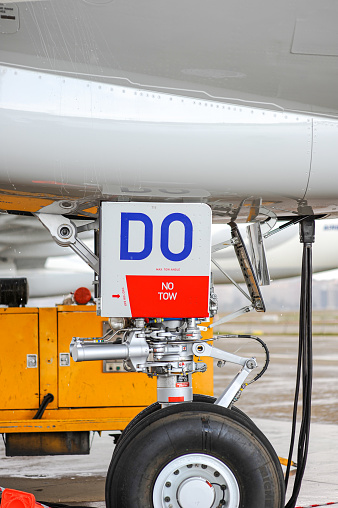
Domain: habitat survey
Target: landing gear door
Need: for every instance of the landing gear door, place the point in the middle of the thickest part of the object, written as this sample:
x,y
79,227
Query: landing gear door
x,y
155,259
258,257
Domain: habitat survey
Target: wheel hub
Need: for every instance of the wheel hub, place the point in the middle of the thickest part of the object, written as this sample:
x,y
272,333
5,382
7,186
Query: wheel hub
x,y
196,492
196,480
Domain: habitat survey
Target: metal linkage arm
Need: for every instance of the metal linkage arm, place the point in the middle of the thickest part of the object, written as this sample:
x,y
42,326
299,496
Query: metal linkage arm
x,y
233,391
64,233
204,349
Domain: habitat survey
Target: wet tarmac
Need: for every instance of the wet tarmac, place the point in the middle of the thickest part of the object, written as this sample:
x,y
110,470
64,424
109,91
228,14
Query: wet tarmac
x,y
80,480
272,396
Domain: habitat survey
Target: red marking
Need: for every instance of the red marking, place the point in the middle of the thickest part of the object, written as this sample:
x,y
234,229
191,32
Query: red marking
x,y
116,296
182,385
175,399
208,483
146,295
314,505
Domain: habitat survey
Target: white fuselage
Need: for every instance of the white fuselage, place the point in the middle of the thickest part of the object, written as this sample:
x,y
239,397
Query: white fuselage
x,y
75,129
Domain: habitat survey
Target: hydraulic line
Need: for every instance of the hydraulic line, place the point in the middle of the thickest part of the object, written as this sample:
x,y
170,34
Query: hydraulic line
x,y
252,337
304,366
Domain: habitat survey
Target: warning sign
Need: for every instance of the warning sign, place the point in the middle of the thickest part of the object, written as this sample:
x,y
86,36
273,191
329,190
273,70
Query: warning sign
x,y
155,259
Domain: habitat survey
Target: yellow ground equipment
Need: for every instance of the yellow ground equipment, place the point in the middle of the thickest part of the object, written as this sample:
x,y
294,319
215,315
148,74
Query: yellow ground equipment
x,y
89,396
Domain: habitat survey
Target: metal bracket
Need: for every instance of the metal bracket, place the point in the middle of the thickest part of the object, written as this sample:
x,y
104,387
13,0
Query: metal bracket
x,y
64,233
248,364
223,245
247,270
230,279
227,318
204,349
234,389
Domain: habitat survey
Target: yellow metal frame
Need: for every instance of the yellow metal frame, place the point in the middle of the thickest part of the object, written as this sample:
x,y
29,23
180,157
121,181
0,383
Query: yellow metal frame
x,y
85,398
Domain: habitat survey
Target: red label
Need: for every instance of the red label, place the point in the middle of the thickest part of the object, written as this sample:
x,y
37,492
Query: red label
x,y
173,296
182,385
175,399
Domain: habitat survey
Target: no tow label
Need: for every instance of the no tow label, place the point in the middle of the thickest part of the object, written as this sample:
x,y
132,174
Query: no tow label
x,y
155,259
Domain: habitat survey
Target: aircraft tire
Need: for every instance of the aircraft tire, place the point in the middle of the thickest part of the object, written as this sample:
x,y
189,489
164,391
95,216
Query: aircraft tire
x,y
156,406
210,446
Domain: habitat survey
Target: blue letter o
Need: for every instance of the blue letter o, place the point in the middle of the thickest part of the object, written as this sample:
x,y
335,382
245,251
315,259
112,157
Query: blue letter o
x,y
180,217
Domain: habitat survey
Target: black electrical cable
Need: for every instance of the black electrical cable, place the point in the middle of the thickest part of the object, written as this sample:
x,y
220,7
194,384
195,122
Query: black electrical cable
x,y
46,400
253,337
267,355
304,365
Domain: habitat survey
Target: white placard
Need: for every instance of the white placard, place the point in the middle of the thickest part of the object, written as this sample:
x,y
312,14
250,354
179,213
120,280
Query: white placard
x,y
155,259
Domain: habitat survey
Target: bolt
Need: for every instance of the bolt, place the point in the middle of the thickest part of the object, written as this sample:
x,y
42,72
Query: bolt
x,y
223,487
216,473
204,466
66,204
189,466
64,231
167,499
167,484
222,502
251,364
176,472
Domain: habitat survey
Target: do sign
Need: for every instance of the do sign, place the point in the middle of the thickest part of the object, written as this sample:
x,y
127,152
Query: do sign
x,y
155,259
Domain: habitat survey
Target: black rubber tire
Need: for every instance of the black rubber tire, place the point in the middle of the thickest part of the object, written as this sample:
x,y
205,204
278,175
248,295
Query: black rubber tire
x,y
194,428
157,406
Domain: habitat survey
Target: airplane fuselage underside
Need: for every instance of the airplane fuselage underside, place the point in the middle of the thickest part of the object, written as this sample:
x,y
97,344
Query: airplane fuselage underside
x,y
78,141
105,100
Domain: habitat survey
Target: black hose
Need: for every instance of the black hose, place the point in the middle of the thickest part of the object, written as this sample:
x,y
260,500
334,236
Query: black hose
x,y
304,366
252,337
46,400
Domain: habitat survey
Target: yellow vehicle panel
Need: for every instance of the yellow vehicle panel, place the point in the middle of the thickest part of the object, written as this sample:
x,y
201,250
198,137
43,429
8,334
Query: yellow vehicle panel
x,y
84,384
85,397
19,372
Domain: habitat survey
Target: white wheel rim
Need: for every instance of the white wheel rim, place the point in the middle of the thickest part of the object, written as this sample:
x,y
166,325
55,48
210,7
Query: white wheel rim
x,y
195,480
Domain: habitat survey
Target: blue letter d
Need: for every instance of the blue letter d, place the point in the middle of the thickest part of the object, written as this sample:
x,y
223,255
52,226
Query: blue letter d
x,y
125,253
